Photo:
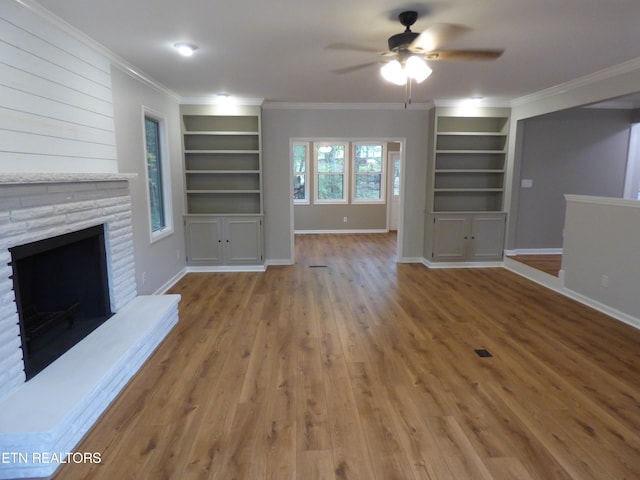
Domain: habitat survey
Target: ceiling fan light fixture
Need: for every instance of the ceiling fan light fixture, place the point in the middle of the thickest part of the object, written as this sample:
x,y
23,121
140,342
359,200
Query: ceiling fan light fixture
x,y
417,69
394,73
185,49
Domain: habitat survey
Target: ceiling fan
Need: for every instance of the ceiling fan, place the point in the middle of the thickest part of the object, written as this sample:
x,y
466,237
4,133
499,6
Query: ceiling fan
x,y
409,50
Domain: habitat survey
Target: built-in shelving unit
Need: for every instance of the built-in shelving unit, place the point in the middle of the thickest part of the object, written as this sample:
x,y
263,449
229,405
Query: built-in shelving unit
x,y
222,182
222,160
469,161
467,172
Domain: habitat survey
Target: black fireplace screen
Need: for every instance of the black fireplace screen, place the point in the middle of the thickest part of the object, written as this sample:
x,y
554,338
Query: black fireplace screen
x,y
62,293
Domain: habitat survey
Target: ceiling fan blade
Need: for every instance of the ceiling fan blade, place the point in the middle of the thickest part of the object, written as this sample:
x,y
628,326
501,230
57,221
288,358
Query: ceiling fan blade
x,y
355,67
437,35
462,55
354,48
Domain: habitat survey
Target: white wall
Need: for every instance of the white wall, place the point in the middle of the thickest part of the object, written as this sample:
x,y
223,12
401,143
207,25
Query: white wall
x,y
160,261
62,108
279,124
601,239
56,113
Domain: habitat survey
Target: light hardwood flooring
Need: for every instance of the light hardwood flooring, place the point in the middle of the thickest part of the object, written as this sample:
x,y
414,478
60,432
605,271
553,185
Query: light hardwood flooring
x,y
550,264
348,365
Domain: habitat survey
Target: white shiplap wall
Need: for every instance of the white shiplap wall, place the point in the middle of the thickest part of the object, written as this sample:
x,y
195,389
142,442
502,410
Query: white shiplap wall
x,y
56,111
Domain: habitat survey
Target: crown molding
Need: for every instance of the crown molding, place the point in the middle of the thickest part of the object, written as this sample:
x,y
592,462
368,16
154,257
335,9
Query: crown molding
x,y
346,106
213,100
463,102
600,75
113,58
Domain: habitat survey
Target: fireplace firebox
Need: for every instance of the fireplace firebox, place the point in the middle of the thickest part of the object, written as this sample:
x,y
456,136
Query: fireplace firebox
x,y
62,293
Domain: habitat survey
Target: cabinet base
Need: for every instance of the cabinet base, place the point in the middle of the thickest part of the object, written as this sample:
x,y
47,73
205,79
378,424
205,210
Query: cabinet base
x,y
430,264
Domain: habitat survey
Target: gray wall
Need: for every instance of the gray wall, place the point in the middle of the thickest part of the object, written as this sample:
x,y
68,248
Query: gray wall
x,y
331,217
601,239
164,259
281,124
579,151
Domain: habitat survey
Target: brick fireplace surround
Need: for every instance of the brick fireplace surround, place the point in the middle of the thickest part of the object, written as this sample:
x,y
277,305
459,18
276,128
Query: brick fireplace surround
x,y
42,420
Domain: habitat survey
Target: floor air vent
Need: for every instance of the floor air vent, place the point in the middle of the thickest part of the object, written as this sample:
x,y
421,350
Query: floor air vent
x,y
483,353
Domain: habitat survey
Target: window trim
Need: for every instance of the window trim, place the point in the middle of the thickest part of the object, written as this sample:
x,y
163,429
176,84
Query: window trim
x,y
165,172
307,199
383,173
316,174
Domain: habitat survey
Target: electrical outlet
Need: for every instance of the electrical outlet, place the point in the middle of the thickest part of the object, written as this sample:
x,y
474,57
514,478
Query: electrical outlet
x,y
604,281
144,277
344,219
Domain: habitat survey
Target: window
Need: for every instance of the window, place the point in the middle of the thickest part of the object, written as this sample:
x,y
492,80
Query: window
x,y
157,176
331,172
300,156
368,173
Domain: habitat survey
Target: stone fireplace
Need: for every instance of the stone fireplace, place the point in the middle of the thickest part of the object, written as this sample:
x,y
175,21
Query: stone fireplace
x,y
33,208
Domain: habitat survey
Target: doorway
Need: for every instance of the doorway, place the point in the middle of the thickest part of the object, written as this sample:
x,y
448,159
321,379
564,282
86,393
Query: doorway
x,y
302,200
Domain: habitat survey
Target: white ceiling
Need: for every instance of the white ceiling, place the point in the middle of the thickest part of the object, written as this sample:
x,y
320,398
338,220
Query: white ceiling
x,y
276,50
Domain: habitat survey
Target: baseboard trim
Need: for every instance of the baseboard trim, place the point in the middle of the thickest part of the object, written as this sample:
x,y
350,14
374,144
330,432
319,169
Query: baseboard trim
x,y
171,282
318,232
557,284
601,307
435,265
279,262
410,260
533,251
225,268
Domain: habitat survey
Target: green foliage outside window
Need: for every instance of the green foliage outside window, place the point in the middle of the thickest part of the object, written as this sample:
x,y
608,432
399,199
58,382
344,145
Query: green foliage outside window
x,y
154,170
299,172
368,172
331,169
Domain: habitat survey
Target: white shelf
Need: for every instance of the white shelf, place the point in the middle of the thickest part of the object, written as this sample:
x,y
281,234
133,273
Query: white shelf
x,y
222,191
474,134
223,151
468,170
223,165
214,172
436,190
468,160
493,152
221,133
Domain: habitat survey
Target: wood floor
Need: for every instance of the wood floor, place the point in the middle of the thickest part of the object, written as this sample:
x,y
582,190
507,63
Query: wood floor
x,y
550,264
348,365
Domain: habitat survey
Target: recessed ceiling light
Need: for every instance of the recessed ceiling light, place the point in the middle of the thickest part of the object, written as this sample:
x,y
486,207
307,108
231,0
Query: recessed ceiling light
x,y
186,49
223,98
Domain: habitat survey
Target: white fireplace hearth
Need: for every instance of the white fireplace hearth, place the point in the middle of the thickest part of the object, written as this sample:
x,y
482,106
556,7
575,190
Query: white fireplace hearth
x,y
42,420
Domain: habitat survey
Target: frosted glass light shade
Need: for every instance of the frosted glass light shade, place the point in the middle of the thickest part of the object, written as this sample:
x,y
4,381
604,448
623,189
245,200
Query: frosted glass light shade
x,y
394,73
185,49
417,69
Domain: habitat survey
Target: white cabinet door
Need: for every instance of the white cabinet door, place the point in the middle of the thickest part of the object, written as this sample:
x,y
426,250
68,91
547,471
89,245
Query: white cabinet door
x,y
450,238
243,241
487,237
468,237
204,240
